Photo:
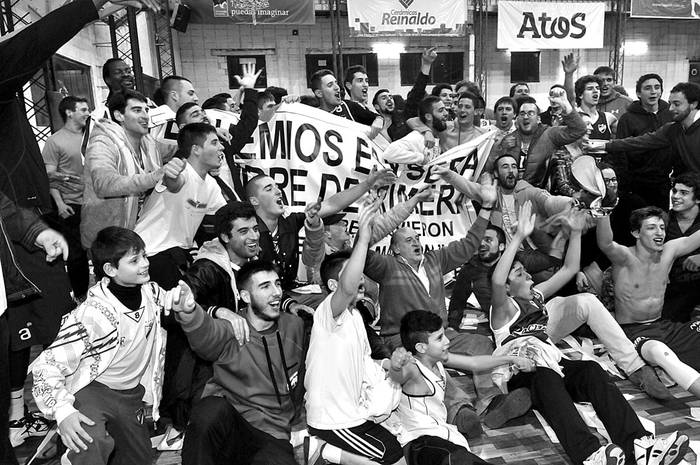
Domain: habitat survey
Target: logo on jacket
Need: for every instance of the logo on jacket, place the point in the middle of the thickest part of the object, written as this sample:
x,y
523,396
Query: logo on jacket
x,y
196,203
135,314
602,127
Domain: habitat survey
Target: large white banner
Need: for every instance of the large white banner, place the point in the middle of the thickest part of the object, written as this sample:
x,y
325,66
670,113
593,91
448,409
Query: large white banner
x,y
407,17
312,154
550,25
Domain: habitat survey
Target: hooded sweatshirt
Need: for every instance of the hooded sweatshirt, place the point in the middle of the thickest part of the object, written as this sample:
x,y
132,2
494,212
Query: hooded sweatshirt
x,y
648,166
261,378
212,277
615,103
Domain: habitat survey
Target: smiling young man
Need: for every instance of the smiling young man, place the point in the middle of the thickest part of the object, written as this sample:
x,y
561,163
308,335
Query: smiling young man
x,y
122,163
646,173
640,274
683,290
611,101
682,136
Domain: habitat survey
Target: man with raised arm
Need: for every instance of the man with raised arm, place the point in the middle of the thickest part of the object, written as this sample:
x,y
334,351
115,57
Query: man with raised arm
x,y
640,273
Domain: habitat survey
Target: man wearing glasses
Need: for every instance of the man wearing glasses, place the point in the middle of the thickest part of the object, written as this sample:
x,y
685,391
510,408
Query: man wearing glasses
x,y
533,143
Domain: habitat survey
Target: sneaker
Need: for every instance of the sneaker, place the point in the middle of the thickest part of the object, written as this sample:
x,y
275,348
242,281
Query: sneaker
x,y
172,440
505,407
609,454
313,451
31,425
662,451
645,379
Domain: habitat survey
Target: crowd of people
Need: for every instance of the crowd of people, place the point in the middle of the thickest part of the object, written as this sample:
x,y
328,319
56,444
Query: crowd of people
x,y
586,223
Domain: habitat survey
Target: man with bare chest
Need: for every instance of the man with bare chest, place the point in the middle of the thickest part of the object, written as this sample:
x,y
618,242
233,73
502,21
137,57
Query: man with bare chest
x,y
640,273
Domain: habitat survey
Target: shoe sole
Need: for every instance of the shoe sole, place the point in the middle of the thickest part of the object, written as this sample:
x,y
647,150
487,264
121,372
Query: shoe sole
x,y
679,449
516,404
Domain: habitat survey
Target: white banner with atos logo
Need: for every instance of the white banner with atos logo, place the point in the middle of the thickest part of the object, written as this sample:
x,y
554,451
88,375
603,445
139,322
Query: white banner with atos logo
x,y
547,25
407,17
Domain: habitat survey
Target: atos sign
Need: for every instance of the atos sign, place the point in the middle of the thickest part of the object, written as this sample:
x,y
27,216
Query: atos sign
x,y
550,25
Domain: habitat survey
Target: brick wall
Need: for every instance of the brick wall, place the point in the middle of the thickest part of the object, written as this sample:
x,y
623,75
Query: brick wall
x,y
671,43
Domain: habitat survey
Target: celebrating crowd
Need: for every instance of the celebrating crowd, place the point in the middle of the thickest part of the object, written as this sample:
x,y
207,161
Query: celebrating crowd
x,y
586,222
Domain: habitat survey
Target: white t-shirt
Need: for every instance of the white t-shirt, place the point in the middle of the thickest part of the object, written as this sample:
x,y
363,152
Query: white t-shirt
x,y
335,366
3,297
171,219
137,331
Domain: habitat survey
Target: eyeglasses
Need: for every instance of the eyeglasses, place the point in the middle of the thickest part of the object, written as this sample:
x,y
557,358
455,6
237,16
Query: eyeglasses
x,y
529,114
609,180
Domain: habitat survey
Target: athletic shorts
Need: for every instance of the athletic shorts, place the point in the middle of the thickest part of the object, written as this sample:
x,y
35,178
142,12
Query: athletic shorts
x,y
368,440
682,338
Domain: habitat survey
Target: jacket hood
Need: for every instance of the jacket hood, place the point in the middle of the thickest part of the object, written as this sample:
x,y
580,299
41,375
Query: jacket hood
x,y
636,107
613,96
215,251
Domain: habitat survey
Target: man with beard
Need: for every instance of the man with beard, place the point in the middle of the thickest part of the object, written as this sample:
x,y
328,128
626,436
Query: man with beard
x,y
64,161
384,104
611,101
411,149
533,143
251,401
326,89
645,174
682,136
475,276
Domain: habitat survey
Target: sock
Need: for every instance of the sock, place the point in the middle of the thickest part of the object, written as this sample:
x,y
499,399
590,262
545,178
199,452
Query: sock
x,y
17,405
331,453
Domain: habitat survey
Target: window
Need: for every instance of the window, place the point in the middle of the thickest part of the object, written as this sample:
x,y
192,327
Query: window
x,y
525,67
315,62
449,67
234,66
70,78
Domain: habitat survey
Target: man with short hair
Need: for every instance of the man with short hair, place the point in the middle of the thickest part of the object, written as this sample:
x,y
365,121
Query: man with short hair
x,y
122,163
222,101
683,135
356,85
533,143
63,159
249,404
640,274
602,125
683,289
504,111
411,149
645,173
519,89
611,101
325,87
173,92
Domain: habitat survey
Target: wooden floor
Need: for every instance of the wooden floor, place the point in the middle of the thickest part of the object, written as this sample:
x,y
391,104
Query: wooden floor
x,y
523,441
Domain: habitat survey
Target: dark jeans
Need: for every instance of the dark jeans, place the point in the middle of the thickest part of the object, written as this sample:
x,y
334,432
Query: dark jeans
x,y
77,263
432,450
7,455
554,397
219,435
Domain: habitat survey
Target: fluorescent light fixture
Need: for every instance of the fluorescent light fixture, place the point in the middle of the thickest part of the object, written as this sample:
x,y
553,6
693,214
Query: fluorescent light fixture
x,y
635,48
388,49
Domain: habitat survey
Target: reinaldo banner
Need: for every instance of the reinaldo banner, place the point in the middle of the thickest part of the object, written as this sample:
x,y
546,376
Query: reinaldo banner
x,y
550,25
407,17
312,154
266,11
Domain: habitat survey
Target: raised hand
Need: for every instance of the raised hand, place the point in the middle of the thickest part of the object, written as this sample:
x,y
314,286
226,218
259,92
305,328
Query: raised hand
x,y
558,99
174,167
368,212
400,358
180,299
526,220
311,212
379,178
429,56
489,191
425,193
442,170
570,63
249,76
577,219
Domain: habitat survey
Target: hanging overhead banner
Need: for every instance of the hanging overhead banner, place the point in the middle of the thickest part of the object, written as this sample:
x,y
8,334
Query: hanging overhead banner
x,y
550,25
673,9
407,17
265,11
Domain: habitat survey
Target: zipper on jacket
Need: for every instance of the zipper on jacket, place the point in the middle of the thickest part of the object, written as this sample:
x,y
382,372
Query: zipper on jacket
x,y
14,261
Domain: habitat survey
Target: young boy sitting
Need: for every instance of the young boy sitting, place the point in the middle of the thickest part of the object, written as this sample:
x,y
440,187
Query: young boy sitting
x,y
520,318
106,360
428,437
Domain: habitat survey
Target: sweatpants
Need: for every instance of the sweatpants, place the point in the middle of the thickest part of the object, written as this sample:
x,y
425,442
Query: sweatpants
x,y
218,435
119,435
432,450
554,397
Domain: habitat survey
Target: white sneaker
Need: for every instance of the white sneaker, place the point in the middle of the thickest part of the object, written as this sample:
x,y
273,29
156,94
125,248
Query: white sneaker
x,y
662,451
313,451
609,454
172,440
